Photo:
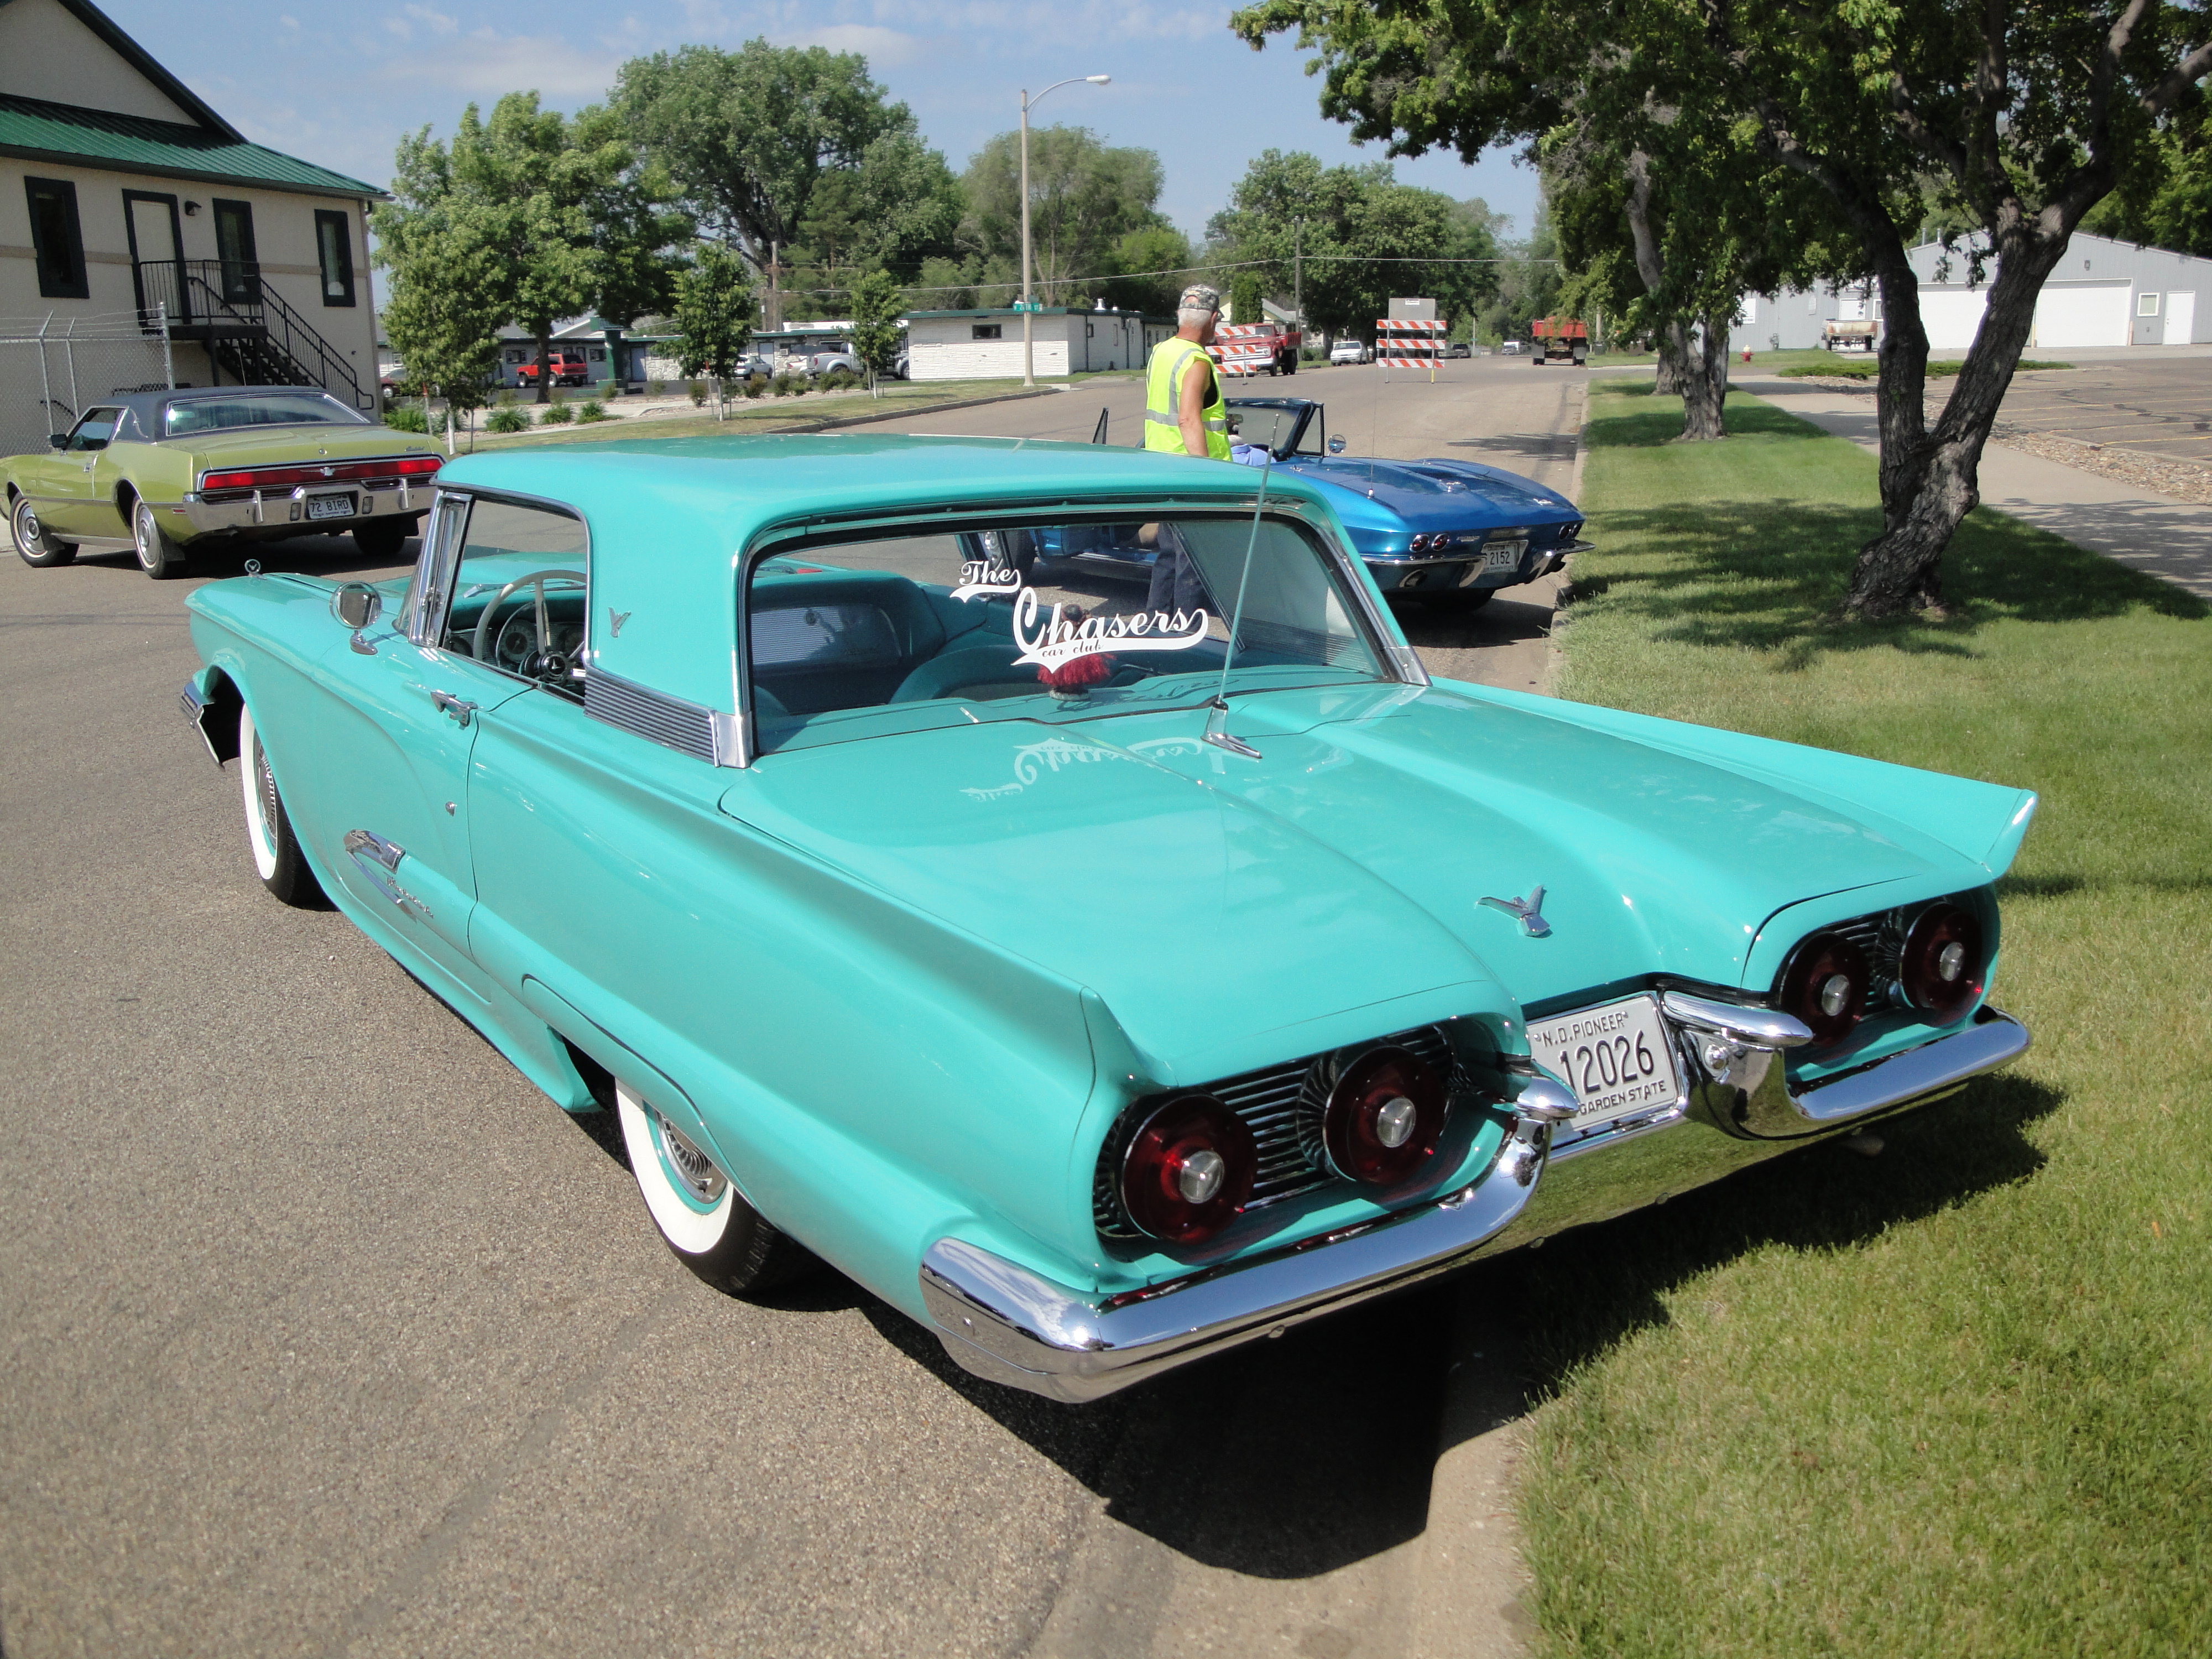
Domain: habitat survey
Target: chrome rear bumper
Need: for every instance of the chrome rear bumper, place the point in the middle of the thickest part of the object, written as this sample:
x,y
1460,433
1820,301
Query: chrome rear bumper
x,y
287,509
1004,1323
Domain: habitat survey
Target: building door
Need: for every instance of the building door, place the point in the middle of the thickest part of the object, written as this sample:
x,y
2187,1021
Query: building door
x,y
2180,318
156,256
233,246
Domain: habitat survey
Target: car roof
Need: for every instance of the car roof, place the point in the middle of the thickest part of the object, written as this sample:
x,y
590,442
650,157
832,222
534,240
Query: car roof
x,y
668,516
147,402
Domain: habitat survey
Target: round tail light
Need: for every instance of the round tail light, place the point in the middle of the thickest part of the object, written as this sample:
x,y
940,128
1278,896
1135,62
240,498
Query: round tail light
x,y
1188,1171
1941,966
1384,1117
1826,986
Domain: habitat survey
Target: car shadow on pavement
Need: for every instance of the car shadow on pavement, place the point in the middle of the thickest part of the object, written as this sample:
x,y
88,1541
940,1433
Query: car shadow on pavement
x,y
327,556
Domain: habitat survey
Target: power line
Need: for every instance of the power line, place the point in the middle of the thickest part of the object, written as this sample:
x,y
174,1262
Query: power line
x,y
1185,270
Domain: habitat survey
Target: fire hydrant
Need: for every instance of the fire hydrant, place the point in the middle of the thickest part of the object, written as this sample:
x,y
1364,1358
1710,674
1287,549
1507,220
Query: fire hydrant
x,y
1746,354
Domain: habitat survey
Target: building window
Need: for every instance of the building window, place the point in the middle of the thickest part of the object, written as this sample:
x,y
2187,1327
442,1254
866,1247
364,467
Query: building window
x,y
233,246
986,331
334,244
56,239
2146,305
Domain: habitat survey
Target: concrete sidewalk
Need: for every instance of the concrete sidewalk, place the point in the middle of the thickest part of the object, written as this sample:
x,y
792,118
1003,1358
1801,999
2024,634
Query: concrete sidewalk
x,y
2169,540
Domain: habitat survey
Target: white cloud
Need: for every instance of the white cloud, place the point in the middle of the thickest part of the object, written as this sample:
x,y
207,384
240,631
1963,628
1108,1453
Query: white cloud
x,y
437,21
487,64
877,44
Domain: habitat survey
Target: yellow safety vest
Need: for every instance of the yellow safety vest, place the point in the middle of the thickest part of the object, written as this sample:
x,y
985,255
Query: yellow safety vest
x,y
1164,401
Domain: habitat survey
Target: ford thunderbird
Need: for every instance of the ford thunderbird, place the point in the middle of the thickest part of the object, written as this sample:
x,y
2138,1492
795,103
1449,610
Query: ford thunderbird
x,y
162,473
1104,974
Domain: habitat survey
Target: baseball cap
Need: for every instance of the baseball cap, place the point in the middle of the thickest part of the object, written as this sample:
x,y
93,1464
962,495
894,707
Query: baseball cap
x,y
1199,297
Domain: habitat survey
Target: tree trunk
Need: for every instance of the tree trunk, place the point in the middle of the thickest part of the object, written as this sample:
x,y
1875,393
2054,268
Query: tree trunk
x,y
1704,385
546,363
1670,373
1931,480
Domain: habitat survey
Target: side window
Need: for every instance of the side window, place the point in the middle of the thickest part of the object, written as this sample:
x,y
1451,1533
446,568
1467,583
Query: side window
x,y
519,586
57,242
233,244
334,247
94,430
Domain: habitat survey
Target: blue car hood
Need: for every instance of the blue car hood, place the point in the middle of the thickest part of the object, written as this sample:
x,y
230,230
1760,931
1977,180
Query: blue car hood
x,y
1442,491
1202,894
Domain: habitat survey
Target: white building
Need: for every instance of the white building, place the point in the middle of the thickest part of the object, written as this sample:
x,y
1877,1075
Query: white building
x,y
986,344
2103,293
125,201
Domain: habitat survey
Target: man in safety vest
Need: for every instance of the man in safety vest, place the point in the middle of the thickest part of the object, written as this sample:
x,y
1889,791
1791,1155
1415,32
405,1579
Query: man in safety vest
x,y
1184,411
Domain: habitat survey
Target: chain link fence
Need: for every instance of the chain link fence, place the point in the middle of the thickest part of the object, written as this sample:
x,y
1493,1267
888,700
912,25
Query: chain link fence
x,y
51,366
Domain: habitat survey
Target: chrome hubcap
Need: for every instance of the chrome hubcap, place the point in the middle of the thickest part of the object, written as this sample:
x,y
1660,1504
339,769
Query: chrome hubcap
x,y
264,789
690,1166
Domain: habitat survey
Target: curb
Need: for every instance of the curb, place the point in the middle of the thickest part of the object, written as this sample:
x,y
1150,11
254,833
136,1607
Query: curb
x,y
1554,659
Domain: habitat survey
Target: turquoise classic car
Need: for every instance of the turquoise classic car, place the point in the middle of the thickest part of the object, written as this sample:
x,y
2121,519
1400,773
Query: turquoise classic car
x,y
1104,970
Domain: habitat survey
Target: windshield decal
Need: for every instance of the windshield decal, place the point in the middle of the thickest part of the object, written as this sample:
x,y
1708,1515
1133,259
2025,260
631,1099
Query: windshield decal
x,y
1069,633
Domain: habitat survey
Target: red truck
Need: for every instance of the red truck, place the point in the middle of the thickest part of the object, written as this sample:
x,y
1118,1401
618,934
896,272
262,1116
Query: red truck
x,y
1559,339
1257,348
569,369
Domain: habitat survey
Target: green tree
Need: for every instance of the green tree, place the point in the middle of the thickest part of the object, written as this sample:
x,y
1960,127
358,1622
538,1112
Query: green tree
x,y
2021,116
1246,292
1084,197
715,310
1159,248
444,304
877,303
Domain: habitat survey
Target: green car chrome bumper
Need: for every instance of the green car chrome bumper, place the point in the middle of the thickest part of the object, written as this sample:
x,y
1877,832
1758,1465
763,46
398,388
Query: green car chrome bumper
x,y
338,506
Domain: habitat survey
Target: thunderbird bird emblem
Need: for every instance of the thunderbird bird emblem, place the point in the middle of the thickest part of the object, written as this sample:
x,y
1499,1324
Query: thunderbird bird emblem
x,y
1529,910
615,621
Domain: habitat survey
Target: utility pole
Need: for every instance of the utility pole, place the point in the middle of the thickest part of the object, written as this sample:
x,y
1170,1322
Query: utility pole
x,y
1298,272
1029,337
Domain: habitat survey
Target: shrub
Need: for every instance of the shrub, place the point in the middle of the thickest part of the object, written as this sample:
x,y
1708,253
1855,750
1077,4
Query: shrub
x,y
656,388
507,418
698,391
556,414
407,417
593,409
780,386
754,388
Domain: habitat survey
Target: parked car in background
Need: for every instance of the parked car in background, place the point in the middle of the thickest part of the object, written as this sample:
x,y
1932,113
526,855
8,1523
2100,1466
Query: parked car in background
x,y
1459,348
1076,967
831,363
1349,351
902,366
568,369
165,473
1509,349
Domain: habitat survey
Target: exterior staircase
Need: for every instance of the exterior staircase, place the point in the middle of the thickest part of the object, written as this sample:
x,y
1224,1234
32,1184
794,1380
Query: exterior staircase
x,y
249,330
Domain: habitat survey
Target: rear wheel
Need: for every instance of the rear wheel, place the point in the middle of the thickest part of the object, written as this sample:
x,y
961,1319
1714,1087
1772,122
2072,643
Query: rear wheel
x,y
277,858
159,556
34,543
701,1215
382,539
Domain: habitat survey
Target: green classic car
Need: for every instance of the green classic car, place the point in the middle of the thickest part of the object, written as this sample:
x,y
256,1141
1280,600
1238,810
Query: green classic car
x,y
161,473
1104,967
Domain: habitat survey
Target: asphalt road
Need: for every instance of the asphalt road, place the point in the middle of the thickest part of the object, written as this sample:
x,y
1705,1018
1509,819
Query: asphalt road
x,y
324,1334
2157,404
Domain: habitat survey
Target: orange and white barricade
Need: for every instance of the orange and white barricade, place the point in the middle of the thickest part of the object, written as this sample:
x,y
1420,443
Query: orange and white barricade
x,y
1408,341
1245,348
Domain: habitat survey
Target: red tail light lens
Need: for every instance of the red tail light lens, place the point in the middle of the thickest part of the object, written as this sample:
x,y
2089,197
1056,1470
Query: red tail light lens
x,y
1826,986
1384,1117
1942,965
288,477
1189,1170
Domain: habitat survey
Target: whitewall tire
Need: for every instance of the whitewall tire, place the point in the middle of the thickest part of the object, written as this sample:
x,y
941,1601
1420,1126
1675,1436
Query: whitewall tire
x,y
277,858
698,1208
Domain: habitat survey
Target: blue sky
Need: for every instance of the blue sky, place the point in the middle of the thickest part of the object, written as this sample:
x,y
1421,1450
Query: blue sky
x,y
338,84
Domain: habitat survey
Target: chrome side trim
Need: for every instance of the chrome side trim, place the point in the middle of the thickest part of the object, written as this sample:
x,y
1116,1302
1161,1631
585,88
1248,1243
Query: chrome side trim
x,y
1758,1027
379,860
1002,1321
689,727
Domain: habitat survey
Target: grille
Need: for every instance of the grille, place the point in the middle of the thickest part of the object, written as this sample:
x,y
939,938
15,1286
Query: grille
x,y
1881,936
1282,1105
651,714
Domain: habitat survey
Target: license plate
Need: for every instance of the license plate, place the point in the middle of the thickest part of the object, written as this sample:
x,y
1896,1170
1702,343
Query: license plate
x,y
330,507
1503,556
1616,1057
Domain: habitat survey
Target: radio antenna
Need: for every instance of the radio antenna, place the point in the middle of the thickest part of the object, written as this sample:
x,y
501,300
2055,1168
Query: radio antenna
x,y
1217,732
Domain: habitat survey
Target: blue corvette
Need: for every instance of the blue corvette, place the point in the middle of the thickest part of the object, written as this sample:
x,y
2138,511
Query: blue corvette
x,y
1452,532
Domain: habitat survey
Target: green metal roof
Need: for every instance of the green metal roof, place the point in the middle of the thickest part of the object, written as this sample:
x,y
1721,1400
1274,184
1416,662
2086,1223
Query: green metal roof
x,y
41,132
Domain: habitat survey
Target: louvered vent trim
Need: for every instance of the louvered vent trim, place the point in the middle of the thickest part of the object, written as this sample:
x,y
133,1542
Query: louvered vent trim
x,y
680,725
1881,936
1283,1107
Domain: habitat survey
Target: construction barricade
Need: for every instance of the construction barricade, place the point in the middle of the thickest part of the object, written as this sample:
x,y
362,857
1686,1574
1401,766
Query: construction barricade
x,y
1247,348
1409,343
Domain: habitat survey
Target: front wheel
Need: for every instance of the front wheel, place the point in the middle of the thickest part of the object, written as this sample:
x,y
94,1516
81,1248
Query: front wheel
x,y
277,858
701,1215
159,556
34,543
382,539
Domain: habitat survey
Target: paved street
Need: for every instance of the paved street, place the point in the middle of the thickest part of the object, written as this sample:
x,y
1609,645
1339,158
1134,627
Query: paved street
x,y
325,1334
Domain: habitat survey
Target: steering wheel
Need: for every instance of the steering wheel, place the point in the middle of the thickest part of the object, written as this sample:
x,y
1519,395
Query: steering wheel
x,y
551,663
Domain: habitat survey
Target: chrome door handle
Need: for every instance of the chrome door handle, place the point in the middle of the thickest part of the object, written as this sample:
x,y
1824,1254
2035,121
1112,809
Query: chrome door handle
x,y
461,709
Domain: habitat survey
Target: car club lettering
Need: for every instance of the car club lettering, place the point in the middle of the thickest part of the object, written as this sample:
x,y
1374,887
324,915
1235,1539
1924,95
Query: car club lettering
x,y
1061,639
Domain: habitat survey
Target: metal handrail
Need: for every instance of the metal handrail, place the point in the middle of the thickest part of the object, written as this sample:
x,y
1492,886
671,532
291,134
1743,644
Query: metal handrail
x,y
215,292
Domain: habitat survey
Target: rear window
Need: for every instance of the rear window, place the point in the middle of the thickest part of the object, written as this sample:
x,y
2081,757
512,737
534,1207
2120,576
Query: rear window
x,y
282,409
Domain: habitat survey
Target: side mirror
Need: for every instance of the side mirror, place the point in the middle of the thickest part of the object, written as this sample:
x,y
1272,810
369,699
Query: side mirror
x,y
357,605
58,440
1336,445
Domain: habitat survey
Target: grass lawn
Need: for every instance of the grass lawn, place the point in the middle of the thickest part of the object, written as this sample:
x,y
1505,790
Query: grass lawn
x,y
1956,1400
1866,368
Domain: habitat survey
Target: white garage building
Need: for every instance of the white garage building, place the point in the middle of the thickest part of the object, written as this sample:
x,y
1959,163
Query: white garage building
x,y
2103,293
986,344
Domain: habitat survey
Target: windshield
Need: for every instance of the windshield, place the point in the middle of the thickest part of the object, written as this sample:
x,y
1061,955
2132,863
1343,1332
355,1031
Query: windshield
x,y
278,409
1272,429
1042,622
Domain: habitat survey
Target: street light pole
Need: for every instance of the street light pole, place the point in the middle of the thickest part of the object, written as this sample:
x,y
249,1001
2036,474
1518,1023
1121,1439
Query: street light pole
x,y
1029,335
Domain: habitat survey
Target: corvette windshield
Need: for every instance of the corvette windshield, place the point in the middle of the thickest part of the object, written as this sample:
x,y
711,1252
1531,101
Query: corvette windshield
x,y
281,408
1043,621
